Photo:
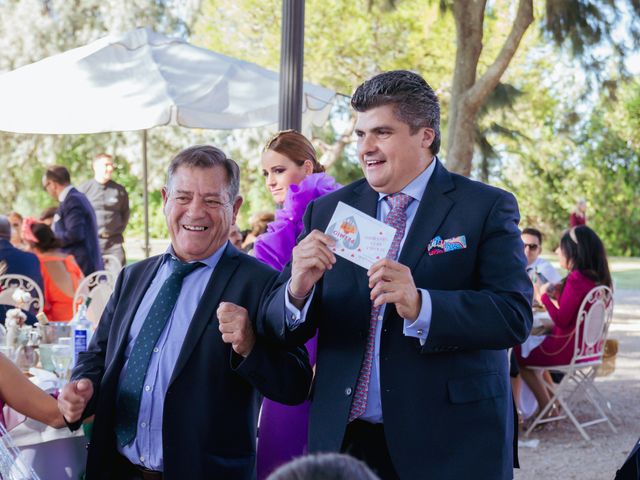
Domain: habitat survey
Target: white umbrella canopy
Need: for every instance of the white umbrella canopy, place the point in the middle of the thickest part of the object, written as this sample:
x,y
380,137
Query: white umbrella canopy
x,y
142,79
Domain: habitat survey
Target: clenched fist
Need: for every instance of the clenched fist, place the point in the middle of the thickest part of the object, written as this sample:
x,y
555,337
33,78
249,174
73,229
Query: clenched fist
x,y
236,328
73,399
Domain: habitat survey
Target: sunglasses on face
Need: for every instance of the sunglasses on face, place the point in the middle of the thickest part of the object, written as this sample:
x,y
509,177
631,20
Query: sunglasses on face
x,y
531,246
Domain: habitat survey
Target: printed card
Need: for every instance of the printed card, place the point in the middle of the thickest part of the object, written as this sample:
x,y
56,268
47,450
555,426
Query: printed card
x,y
359,238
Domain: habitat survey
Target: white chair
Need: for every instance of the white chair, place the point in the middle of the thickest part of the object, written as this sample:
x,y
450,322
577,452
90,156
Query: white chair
x,y
592,325
11,281
112,264
98,287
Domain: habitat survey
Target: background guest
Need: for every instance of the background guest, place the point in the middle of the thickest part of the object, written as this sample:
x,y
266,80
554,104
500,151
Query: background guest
x,y
76,226
294,177
16,229
582,253
111,204
536,265
258,224
579,214
48,215
60,271
17,261
235,236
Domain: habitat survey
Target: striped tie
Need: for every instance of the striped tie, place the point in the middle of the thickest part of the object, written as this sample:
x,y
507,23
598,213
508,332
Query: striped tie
x,y
397,218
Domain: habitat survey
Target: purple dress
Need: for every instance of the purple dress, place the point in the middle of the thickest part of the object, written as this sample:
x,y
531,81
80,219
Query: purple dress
x,y
283,428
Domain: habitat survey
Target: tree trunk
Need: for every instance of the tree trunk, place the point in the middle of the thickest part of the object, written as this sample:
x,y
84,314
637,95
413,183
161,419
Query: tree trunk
x,y
331,153
467,93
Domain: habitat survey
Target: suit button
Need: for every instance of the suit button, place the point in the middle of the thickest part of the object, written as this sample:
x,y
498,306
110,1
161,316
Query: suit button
x,y
348,391
385,330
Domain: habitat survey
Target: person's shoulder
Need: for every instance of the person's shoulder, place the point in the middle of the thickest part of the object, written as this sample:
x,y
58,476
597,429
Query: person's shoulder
x,y
85,186
478,189
343,193
251,265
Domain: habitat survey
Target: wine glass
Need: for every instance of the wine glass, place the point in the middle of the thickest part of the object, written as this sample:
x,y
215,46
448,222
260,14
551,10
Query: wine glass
x,y
61,356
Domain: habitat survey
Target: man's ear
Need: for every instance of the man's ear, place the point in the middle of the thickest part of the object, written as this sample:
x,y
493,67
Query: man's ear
x,y
237,203
428,136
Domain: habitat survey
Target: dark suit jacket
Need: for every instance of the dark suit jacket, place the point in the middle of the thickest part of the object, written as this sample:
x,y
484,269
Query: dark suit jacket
x,y
630,470
78,231
447,405
211,406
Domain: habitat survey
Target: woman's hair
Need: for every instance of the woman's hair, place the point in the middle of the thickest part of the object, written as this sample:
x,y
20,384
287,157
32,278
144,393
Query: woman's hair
x,y
259,222
43,237
585,252
324,466
295,147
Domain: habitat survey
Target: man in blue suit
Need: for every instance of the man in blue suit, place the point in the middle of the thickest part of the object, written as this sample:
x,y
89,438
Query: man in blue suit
x,y
412,368
75,225
13,260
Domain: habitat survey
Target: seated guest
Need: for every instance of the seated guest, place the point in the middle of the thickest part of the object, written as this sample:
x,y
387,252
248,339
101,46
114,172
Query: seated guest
x,y
582,253
60,271
536,265
15,261
259,223
24,397
16,228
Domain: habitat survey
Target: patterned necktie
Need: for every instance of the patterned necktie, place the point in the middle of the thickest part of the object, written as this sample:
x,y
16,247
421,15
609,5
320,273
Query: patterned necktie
x,y
130,391
397,218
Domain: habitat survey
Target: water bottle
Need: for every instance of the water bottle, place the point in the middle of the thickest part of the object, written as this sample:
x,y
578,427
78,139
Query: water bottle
x,y
82,330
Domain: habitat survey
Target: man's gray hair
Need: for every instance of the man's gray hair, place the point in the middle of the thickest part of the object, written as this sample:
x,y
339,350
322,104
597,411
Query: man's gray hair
x,y
207,156
414,101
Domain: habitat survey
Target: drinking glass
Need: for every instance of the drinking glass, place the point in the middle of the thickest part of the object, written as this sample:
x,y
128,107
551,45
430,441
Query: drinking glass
x,y
61,356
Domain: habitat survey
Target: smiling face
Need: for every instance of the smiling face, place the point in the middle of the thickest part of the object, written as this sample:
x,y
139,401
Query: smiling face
x,y
280,172
199,211
389,154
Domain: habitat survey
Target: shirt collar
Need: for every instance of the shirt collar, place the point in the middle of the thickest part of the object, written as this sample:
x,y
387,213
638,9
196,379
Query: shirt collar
x,y
210,261
416,187
64,193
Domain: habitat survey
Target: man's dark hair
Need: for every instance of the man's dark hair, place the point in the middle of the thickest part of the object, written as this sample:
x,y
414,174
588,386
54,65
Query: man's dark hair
x,y
207,156
320,466
414,101
533,231
58,174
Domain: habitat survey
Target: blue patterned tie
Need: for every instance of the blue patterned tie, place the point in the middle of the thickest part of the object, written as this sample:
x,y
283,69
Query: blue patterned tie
x,y
130,391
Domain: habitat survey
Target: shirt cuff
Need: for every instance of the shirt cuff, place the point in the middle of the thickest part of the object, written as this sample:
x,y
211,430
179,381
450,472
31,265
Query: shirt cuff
x,y
295,316
420,327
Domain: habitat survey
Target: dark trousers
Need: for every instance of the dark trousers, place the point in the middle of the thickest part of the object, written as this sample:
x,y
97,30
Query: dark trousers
x,y
125,470
366,441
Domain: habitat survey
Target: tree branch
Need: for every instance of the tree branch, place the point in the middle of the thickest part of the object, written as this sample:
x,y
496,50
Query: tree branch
x,y
476,95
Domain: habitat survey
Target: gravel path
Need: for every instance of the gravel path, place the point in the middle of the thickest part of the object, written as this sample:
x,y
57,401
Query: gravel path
x,y
562,452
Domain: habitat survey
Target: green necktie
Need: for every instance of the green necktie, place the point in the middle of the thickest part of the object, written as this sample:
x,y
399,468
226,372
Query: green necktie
x,y
130,391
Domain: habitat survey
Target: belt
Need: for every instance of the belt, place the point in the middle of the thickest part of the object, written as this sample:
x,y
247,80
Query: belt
x,y
137,470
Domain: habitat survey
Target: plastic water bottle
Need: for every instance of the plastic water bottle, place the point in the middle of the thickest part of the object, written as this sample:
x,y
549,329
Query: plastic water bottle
x,y
82,330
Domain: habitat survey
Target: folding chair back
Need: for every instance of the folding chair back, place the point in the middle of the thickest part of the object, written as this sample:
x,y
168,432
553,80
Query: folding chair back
x,y
12,281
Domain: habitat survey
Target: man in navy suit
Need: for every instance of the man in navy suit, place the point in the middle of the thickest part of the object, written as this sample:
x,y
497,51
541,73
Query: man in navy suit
x,y
75,225
13,260
412,367
198,367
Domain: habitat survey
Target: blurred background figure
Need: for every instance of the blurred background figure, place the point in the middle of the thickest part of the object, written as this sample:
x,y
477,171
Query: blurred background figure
x,y
579,214
16,228
235,236
294,177
110,201
48,215
60,272
324,466
258,223
536,265
15,260
75,226
583,255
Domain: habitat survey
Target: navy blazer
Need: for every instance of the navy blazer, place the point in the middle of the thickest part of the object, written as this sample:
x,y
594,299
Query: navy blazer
x,y
20,262
211,406
447,405
78,231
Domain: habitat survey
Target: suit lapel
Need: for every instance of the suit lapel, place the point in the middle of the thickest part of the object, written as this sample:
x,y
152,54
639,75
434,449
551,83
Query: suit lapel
x,y
211,297
432,211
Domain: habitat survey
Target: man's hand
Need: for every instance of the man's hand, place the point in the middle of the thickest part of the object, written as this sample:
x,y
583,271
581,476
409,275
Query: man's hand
x,y
311,258
73,399
391,282
236,328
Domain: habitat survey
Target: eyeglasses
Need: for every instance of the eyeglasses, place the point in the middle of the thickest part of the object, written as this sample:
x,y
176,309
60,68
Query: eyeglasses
x,y
531,246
